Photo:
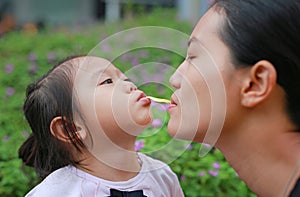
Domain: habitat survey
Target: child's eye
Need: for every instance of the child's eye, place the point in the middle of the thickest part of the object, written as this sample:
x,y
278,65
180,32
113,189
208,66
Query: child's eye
x,y
107,81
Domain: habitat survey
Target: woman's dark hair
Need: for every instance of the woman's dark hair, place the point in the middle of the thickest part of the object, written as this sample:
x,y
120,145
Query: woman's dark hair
x,y
47,98
269,30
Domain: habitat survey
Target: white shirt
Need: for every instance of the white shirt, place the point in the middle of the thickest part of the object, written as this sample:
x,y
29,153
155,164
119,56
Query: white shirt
x,y
156,179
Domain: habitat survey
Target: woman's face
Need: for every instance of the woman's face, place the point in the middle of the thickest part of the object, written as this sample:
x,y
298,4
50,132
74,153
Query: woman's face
x,y
200,101
110,101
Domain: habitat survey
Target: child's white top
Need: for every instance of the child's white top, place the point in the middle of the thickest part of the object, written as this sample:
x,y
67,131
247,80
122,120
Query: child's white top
x,y
156,179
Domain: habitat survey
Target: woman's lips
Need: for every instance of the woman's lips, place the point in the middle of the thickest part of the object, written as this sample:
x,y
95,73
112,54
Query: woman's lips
x,y
171,106
173,103
173,100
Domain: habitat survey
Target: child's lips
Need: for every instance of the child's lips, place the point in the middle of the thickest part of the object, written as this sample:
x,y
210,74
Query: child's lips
x,y
142,95
142,98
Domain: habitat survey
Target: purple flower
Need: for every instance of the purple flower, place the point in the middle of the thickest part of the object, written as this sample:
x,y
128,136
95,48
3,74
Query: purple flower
x,y
105,48
153,103
144,54
166,59
25,133
166,106
213,173
189,147
206,145
51,57
163,107
139,144
182,178
158,77
9,68
5,138
202,173
216,165
33,69
160,88
124,57
10,91
134,61
156,123
32,57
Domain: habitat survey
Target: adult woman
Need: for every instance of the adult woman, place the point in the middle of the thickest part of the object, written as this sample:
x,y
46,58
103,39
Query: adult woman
x,y
254,47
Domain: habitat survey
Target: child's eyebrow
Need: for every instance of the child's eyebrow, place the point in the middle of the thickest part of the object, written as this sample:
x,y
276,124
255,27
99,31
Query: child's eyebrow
x,y
98,72
127,79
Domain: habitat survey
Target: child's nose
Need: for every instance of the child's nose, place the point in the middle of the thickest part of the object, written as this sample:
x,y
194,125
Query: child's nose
x,y
131,87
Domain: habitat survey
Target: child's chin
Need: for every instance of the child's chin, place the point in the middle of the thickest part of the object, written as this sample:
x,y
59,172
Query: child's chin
x,y
145,122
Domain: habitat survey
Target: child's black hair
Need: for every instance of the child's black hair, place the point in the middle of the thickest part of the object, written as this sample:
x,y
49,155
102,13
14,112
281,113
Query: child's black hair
x,y
47,98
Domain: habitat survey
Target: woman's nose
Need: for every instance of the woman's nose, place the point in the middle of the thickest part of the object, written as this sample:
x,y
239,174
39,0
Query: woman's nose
x,y
175,79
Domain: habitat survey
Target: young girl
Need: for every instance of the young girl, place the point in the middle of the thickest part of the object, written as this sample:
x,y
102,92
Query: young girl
x,y
85,115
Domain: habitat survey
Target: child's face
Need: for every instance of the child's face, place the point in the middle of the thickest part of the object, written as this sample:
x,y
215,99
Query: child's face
x,y
109,101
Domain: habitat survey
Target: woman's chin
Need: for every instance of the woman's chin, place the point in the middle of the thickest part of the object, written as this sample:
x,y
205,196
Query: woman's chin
x,y
183,134
172,129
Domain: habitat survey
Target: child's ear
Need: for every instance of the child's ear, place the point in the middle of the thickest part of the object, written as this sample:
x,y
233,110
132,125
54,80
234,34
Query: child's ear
x,y
58,131
259,83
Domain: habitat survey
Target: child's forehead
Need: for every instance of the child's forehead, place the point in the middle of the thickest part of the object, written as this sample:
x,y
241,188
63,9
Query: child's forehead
x,y
96,65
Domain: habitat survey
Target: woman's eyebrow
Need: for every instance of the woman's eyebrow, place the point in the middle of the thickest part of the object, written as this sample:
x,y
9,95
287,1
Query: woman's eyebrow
x,y
193,39
196,41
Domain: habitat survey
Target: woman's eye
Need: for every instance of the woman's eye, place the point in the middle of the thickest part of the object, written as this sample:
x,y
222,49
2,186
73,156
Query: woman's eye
x,y
107,81
190,58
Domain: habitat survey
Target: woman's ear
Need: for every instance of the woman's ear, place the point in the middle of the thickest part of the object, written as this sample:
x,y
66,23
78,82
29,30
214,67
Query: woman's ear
x,y
259,83
58,131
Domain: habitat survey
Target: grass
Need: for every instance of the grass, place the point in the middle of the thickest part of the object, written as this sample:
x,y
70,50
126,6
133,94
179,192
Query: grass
x,y
25,56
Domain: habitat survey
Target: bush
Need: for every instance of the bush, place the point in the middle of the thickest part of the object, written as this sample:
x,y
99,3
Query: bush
x,y
26,55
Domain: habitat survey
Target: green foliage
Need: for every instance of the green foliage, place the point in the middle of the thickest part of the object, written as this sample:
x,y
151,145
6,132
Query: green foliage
x,y
25,57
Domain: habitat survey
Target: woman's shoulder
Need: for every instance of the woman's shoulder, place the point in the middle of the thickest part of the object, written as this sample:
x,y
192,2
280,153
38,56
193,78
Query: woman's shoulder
x,y
57,183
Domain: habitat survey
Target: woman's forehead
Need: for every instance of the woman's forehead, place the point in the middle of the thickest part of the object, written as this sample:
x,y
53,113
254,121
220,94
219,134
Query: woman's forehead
x,y
208,26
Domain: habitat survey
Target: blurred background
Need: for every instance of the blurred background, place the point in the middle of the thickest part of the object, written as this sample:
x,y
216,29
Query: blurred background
x,y
36,34
36,14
